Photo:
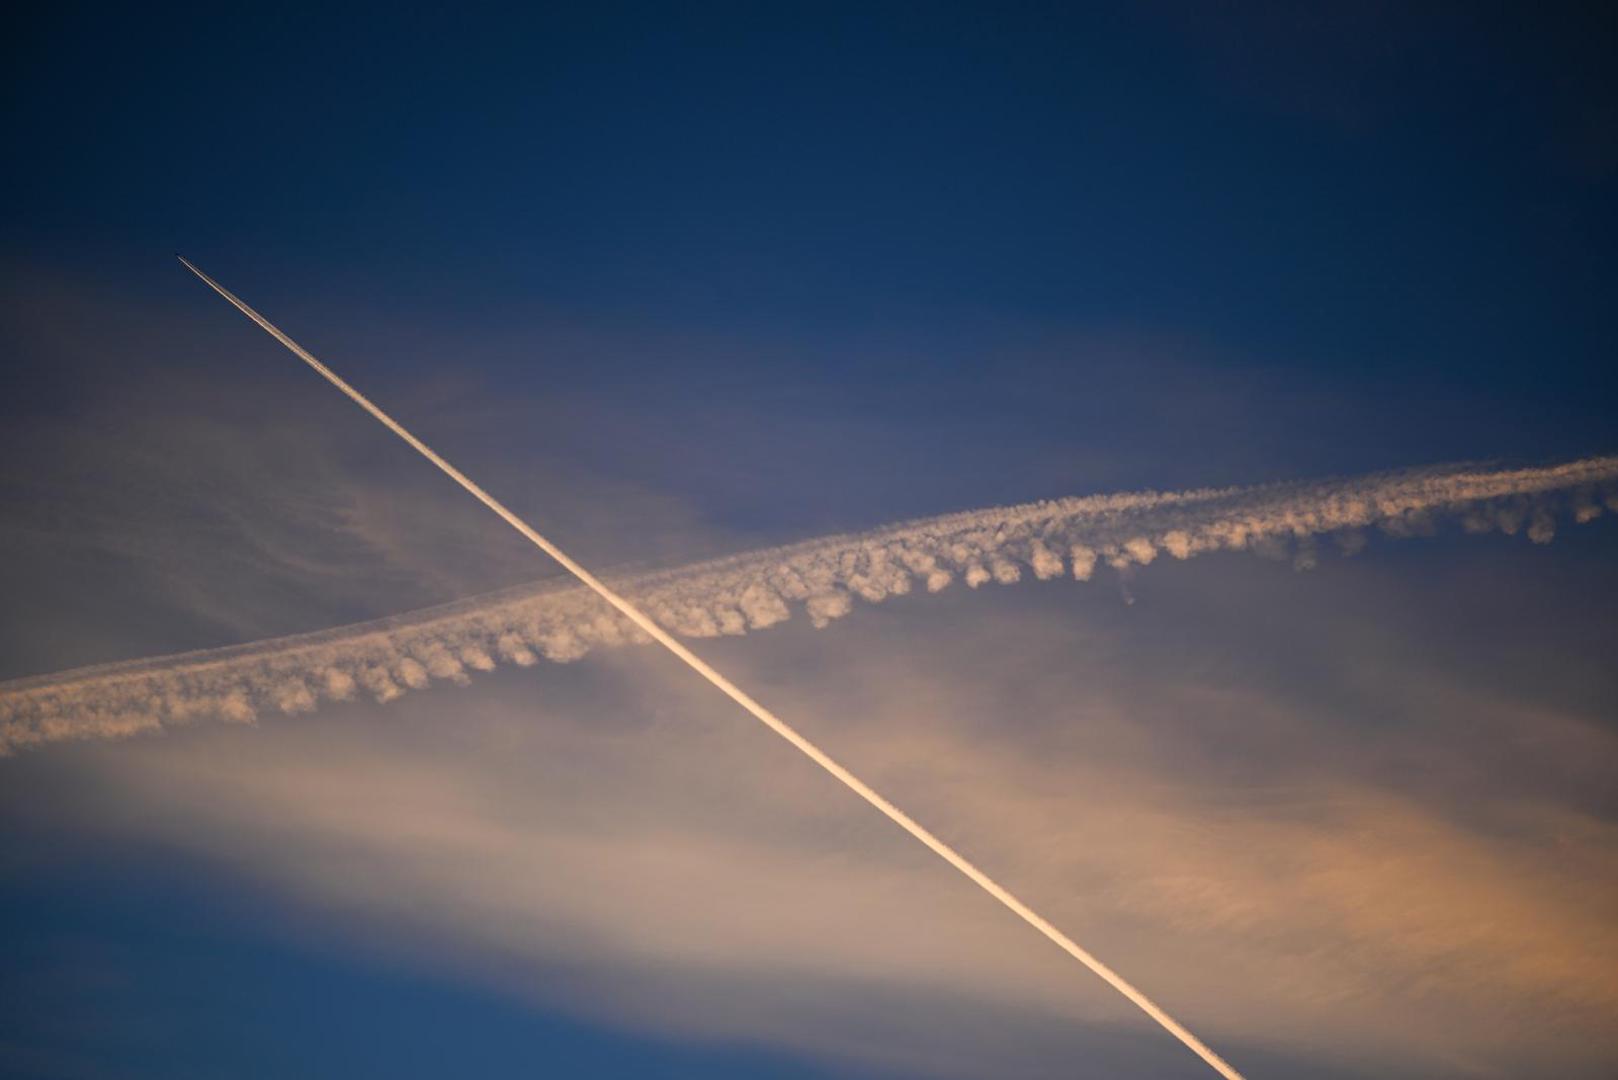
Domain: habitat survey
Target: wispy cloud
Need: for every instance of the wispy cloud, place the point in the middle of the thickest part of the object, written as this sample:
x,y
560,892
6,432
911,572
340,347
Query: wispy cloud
x,y
624,850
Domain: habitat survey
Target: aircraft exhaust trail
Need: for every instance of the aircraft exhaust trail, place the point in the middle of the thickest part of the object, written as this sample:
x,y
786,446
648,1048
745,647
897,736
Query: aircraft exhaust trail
x,y
740,697
822,577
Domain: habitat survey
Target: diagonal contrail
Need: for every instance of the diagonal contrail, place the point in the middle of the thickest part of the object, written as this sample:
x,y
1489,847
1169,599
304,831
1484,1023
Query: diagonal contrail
x,y
742,698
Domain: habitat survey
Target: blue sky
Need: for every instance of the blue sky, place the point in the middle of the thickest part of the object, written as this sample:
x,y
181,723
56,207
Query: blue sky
x,y
683,282
1371,188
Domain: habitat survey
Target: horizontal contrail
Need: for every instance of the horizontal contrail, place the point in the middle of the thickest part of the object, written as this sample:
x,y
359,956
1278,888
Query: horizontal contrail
x,y
651,629
562,622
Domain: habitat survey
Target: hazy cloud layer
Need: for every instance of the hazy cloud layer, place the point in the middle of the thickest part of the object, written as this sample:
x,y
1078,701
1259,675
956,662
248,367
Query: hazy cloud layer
x,y
823,578
610,842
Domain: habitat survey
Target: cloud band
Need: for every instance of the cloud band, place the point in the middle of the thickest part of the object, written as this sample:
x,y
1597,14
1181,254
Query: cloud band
x,y
560,621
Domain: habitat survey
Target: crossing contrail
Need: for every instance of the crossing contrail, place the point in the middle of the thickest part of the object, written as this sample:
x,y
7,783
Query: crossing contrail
x,y
651,628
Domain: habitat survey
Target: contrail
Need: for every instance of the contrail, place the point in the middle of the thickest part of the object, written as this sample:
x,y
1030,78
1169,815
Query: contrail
x,y
740,697
561,621
823,578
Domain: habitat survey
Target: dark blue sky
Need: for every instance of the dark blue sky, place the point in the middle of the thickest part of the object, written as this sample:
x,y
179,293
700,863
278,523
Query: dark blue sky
x,y
1405,211
1372,186
1016,224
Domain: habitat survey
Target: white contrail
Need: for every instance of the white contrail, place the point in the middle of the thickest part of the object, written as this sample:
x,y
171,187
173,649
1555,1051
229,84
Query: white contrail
x,y
562,621
736,694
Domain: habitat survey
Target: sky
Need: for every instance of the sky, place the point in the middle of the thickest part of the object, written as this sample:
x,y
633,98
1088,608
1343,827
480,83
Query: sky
x,y
683,283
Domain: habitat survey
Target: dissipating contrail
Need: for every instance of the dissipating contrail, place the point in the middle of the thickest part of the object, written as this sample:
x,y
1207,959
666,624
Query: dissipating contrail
x,y
560,621
652,629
